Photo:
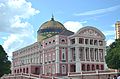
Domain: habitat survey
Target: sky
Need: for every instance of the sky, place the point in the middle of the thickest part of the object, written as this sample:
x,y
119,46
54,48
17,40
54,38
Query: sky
x,y
20,19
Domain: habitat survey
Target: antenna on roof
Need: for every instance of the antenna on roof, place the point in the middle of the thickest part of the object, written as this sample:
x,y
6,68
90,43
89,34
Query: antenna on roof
x,y
52,17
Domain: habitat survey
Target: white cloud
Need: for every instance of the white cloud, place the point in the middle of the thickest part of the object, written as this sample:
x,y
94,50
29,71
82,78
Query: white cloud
x,y
111,36
9,41
110,41
113,25
99,11
13,15
4,38
73,25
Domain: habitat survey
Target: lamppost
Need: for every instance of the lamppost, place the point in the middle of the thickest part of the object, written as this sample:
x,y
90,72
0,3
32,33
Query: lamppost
x,y
81,75
98,73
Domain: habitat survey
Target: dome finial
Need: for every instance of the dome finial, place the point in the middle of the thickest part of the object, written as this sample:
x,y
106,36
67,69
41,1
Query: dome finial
x,y
52,17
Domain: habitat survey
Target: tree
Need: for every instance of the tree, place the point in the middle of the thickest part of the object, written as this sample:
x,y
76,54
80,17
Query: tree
x,y
113,55
4,62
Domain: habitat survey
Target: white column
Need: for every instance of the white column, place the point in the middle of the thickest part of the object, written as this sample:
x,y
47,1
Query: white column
x,y
69,59
83,41
94,54
57,60
78,64
68,42
85,53
104,50
57,39
69,55
76,40
43,53
98,55
89,55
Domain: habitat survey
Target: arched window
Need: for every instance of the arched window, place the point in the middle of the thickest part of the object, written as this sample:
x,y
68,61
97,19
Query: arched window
x,y
62,40
63,69
97,66
72,68
17,70
26,70
20,70
102,67
83,67
41,70
93,67
88,67
53,41
23,70
14,71
36,70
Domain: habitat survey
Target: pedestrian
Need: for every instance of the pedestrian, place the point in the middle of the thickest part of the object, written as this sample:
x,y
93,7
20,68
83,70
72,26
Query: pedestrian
x,y
109,77
118,77
115,77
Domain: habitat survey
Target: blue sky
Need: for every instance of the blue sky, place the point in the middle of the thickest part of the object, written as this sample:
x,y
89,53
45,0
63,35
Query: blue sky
x,y
20,19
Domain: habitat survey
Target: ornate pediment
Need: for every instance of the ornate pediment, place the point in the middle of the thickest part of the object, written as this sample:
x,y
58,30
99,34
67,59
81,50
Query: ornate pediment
x,y
90,32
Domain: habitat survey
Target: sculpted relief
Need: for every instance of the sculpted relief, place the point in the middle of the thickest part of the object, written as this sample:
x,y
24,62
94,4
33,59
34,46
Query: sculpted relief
x,y
90,32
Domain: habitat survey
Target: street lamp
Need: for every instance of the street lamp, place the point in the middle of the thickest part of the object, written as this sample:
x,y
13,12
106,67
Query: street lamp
x,y
82,75
97,73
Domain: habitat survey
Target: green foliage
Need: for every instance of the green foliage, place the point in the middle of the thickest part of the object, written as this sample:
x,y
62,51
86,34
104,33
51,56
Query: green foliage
x,y
113,55
4,62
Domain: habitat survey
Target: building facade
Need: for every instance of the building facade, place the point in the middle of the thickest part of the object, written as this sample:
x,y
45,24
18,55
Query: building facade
x,y
117,29
59,51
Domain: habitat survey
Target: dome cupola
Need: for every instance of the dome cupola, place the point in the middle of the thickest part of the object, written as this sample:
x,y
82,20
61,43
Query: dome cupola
x,y
49,29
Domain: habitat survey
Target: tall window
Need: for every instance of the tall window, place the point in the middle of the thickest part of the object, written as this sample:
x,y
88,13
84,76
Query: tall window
x,y
49,69
72,41
92,54
87,53
96,54
63,54
95,42
63,69
53,69
100,43
73,54
81,56
81,40
91,41
86,41
26,70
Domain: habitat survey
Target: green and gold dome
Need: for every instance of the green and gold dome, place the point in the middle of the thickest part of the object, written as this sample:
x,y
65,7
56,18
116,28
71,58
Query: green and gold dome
x,y
49,29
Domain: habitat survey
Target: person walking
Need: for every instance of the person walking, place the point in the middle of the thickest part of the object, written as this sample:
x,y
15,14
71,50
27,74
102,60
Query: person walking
x,y
109,77
115,77
118,76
